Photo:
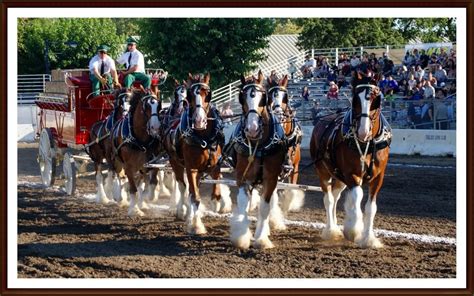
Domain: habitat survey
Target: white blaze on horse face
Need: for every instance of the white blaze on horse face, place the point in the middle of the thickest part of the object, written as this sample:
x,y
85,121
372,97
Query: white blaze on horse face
x,y
278,101
253,99
363,132
200,117
126,107
154,122
182,94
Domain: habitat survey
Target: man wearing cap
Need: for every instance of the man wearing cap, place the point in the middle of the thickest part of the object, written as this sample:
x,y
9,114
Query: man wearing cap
x,y
102,70
135,65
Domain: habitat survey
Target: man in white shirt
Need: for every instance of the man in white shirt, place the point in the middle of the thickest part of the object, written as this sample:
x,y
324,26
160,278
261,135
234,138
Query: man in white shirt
x,y
135,65
102,70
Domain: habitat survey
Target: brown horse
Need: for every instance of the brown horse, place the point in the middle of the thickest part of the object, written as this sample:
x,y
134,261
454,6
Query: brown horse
x,y
99,145
260,152
351,149
194,147
134,140
276,89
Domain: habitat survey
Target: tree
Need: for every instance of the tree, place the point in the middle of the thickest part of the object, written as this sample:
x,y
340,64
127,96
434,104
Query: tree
x,y
286,26
355,32
347,32
35,34
225,47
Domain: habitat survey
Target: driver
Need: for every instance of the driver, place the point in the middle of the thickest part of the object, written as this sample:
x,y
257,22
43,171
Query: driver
x,y
135,66
102,70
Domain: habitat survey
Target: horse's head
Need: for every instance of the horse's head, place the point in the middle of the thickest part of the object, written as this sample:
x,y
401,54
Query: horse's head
x,y
180,96
366,104
253,99
123,98
277,94
147,107
199,98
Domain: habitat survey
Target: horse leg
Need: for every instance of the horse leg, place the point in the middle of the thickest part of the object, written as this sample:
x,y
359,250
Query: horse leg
x,y
337,189
263,227
331,231
133,209
240,234
142,191
353,224
194,223
220,197
293,199
108,186
152,184
368,237
179,193
165,182
276,215
100,196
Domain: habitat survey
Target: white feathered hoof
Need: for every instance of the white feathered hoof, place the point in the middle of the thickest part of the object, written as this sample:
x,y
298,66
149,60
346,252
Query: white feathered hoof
x,y
254,200
225,201
240,234
181,212
263,244
135,212
196,228
292,200
352,234
332,234
370,242
100,197
215,205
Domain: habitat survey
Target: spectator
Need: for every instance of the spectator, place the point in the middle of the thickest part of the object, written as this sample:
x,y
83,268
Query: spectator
x,y
424,59
417,93
428,91
341,80
332,77
392,85
388,67
450,69
414,114
135,64
402,73
383,83
440,74
308,67
323,70
419,73
411,84
292,69
426,115
403,87
355,61
441,111
333,91
305,93
227,114
407,59
102,71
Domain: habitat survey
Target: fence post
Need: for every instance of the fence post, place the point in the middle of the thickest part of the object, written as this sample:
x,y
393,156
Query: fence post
x,y
312,53
336,60
361,52
387,49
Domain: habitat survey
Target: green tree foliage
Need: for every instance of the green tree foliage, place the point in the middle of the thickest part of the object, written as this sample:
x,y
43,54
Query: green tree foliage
x,y
126,26
88,33
347,32
286,26
225,47
427,29
354,32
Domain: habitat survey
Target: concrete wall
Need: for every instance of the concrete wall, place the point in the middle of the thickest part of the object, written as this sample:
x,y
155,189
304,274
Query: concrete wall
x,y
405,141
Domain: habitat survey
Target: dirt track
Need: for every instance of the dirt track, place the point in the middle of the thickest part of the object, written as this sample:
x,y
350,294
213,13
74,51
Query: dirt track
x,y
61,236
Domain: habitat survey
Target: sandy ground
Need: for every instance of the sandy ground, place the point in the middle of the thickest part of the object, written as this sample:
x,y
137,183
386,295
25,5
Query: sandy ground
x,y
73,237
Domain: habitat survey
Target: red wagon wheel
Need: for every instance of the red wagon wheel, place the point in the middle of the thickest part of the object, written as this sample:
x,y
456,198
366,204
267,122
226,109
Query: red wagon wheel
x,y
47,157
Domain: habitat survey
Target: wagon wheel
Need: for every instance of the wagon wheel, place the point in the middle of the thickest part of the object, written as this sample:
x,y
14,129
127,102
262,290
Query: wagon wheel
x,y
47,157
69,170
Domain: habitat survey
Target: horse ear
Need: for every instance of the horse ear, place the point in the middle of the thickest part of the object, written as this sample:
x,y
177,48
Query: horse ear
x,y
260,77
269,80
207,78
284,81
190,77
176,82
242,79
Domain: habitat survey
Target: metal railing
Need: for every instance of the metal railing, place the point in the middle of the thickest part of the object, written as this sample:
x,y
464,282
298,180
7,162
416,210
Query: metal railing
x,y
29,86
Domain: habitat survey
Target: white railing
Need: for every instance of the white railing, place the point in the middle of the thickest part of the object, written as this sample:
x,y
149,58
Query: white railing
x,y
29,86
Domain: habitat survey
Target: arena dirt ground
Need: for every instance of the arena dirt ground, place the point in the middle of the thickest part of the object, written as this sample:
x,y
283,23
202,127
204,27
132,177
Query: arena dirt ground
x,y
73,237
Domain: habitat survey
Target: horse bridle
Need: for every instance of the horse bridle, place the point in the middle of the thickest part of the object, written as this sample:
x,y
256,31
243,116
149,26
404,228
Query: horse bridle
x,y
181,94
369,97
192,91
125,99
256,88
280,88
146,100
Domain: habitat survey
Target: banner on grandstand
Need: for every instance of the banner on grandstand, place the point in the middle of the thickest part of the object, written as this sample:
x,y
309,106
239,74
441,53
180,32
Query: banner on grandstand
x,y
430,47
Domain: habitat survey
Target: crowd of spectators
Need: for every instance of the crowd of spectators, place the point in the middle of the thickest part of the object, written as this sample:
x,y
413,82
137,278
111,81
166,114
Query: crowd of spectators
x,y
422,80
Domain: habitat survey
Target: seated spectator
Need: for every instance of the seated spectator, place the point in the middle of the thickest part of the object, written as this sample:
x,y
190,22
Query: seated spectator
x,y
355,61
443,56
323,70
426,115
392,85
441,111
440,74
305,93
417,93
341,80
292,69
433,63
402,73
419,73
308,67
403,87
227,114
432,79
424,59
383,83
411,84
428,91
407,59
388,67
450,68
332,77
333,91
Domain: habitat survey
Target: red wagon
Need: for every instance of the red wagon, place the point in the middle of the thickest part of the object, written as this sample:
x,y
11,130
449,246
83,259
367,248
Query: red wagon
x,y
64,122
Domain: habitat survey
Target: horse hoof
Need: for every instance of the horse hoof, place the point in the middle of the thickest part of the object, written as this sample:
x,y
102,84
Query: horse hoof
x,y
370,242
332,234
352,235
263,244
195,230
135,213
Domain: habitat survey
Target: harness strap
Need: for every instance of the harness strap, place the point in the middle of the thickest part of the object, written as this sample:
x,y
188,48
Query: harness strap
x,y
251,158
